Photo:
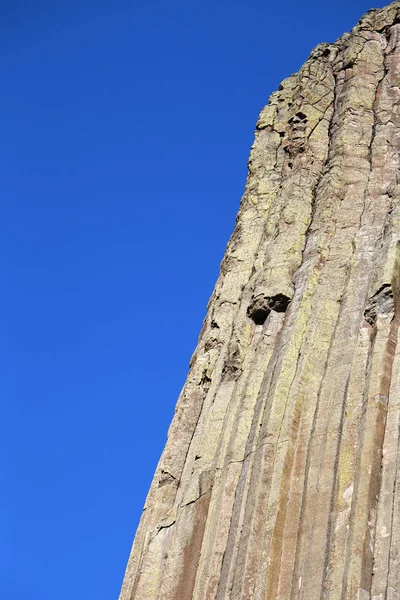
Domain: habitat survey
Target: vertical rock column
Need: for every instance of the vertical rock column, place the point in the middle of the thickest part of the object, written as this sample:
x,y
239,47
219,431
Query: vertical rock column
x,y
279,477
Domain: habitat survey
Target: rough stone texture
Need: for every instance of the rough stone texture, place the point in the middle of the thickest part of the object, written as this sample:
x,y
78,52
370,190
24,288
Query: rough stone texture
x,y
279,477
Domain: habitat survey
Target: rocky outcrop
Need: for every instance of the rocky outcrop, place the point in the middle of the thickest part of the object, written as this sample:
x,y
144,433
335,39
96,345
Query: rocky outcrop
x,y
279,480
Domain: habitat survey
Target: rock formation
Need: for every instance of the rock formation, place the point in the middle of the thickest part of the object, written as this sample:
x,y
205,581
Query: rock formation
x,y
279,480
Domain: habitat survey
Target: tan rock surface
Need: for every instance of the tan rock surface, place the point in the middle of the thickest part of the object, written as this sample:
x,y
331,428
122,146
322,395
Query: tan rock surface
x,y
279,478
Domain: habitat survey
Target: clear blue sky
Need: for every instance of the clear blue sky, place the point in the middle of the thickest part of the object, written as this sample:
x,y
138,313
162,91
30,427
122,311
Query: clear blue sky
x,y
125,127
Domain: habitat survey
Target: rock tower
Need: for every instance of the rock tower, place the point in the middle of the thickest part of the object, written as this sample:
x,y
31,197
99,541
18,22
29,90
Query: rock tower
x,y
279,480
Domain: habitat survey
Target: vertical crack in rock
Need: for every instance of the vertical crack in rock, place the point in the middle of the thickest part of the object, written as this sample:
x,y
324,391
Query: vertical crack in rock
x,y
279,477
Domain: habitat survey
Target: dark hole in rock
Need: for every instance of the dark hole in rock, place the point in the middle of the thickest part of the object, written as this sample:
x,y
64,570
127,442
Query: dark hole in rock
x,y
259,310
326,52
300,116
260,315
290,165
279,303
261,307
281,134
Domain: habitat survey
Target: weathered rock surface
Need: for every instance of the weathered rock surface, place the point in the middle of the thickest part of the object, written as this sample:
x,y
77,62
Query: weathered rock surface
x,y
279,480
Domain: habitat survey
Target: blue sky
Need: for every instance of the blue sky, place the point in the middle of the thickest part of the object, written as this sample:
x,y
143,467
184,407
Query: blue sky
x,y
126,128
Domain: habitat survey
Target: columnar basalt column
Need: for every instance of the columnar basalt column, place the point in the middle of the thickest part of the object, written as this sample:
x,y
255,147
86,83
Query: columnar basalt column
x,y
279,479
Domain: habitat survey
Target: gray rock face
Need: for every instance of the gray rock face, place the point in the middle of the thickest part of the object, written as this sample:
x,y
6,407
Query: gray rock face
x,y
279,479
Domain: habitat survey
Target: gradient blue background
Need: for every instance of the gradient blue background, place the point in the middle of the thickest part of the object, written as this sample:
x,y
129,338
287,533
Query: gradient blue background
x,y
125,131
